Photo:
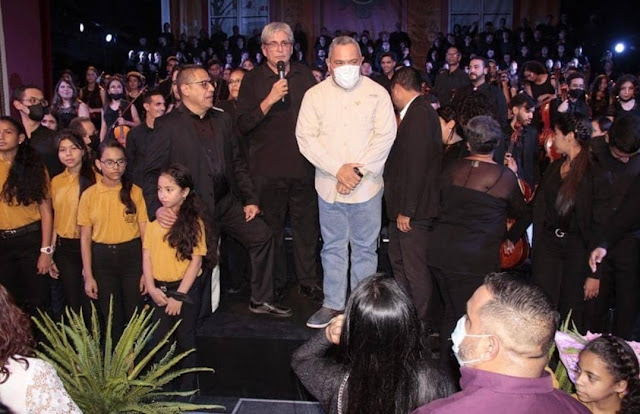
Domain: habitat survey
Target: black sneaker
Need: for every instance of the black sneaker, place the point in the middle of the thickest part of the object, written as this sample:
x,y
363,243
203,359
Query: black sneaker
x,y
313,292
270,309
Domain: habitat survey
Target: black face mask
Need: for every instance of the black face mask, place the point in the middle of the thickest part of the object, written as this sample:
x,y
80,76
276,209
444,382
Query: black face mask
x,y
95,141
116,96
36,112
577,94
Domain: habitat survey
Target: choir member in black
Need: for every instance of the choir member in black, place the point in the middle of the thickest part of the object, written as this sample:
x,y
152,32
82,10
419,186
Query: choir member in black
x,y
65,104
570,203
449,80
599,96
453,146
575,102
625,91
477,195
93,95
539,83
29,101
523,138
617,155
117,111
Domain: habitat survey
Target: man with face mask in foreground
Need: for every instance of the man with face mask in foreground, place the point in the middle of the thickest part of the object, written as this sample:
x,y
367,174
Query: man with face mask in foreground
x,y
29,101
502,345
345,128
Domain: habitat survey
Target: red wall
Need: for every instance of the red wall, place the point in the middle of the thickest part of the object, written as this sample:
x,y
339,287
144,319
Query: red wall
x,y
23,34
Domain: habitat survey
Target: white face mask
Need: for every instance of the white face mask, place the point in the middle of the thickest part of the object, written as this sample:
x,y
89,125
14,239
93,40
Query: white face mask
x,y
346,76
458,336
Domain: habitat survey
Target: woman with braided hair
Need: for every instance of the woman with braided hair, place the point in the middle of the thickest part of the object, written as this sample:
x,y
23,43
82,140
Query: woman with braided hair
x,y
570,204
607,379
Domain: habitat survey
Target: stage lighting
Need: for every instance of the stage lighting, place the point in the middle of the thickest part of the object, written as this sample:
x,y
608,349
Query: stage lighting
x,y
81,28
619,48
108,38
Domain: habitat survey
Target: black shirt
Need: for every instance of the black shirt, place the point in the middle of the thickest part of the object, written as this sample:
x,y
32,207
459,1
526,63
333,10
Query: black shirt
x,y
273,148
43,140
136,150
447,83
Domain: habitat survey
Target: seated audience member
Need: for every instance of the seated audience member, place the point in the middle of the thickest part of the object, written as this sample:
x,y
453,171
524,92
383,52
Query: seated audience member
x,y
27,384
502,345
384,368
607,377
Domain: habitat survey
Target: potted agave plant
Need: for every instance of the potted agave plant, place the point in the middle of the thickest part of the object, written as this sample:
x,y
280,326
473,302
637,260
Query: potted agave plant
x,y
103,379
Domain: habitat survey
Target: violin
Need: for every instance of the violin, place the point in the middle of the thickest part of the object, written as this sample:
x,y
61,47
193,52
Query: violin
x,y
521,248
120,132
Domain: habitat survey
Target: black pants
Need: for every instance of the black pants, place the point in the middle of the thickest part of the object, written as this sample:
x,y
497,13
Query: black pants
x,y
300,197
184,335
560,268
117,269
19,272
256,237
234,263
69,262
408,257
619,288
456,289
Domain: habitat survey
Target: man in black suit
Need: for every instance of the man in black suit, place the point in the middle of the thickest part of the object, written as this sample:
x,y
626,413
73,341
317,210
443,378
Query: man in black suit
x,y
200,137
411,186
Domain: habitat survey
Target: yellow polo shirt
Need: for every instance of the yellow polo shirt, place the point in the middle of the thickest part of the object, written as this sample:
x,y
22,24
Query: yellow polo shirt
x,y
65,196
100,207
165,265
16,215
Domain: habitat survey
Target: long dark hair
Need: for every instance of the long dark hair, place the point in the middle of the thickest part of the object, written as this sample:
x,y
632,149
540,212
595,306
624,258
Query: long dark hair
x,y
125,191
581,128
87,176
56,102
186,231
381,345
622,364
15,333
27,182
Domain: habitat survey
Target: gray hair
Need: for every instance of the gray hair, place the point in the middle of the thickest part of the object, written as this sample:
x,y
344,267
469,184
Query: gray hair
x,y
272,28
483,134
342,41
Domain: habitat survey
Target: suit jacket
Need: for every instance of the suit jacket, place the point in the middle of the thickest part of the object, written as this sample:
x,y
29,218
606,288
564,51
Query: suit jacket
x,y
175,140
412,171
592,205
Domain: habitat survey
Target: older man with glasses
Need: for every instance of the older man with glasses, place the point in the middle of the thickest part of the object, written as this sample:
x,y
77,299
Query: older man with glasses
x,y
268,104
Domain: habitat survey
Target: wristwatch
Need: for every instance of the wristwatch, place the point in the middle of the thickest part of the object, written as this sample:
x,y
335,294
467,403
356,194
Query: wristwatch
x,y
47,249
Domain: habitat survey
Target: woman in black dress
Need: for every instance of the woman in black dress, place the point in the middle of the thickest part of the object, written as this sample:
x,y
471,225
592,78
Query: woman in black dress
x,y
477,196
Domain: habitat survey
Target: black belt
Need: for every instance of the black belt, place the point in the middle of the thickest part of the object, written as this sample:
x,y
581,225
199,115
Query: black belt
x,y
558,232
20,231
169,289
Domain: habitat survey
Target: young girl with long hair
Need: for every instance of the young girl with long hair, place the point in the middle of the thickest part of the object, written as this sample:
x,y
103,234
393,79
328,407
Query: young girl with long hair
x,y
26,219
382,364
66,189
571,201
172,261
112,216
607,377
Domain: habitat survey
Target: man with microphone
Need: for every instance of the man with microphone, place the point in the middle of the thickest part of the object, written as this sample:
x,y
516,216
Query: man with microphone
x,y
268,104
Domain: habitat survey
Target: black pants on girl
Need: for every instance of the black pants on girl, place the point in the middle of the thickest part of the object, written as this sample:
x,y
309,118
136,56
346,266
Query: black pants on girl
x,y
560,268
19,270
69,262
185,335
117,269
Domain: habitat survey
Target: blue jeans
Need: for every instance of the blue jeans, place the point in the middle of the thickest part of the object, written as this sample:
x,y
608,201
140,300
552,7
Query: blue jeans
x,y
342,224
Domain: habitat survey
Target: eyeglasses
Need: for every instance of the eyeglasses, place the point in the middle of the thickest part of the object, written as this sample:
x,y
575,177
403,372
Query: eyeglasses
x,y
112,163
35,101
276,45
204,83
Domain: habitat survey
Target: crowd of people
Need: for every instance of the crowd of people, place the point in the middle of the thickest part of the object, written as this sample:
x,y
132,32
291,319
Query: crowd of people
x,y
137,186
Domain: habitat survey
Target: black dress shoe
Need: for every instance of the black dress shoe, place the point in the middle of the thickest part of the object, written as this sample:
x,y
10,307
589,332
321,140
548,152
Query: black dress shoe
x,y
272,309
313,292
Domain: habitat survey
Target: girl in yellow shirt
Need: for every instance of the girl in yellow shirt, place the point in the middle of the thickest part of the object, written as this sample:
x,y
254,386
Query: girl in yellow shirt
x,y
172,261
66,189
112,217
25,219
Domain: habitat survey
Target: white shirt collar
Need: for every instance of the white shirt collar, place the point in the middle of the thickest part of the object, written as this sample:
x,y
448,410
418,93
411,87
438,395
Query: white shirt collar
x,y
406,107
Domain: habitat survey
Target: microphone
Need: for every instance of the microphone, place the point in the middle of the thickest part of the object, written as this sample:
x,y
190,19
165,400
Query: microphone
x,y
280,67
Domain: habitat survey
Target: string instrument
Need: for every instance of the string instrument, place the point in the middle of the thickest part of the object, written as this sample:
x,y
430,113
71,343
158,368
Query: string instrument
x,y
120,132
545,138
521,247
